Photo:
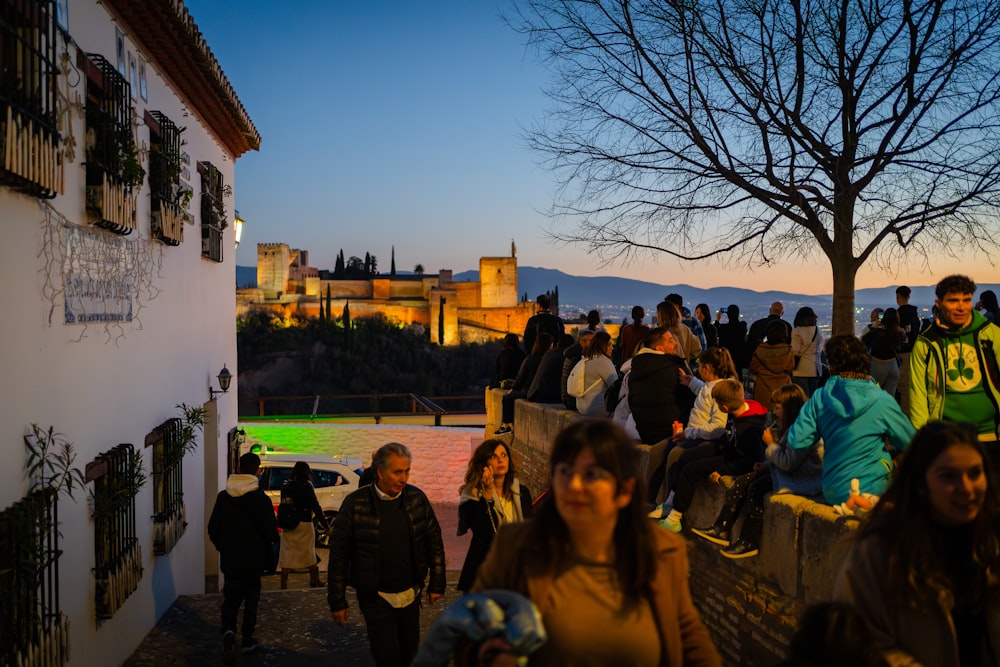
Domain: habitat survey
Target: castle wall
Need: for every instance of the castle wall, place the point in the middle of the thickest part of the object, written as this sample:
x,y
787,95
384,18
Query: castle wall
x,y
407,289
498,282
467,294
409,300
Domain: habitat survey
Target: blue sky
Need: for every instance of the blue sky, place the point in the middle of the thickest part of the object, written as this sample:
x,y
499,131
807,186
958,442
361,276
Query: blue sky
x,y
392,122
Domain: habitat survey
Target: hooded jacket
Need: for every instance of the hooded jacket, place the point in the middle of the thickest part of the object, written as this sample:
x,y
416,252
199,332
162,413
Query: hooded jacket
x,y
773,364
975,347
243,528
747,445
656,396
855,418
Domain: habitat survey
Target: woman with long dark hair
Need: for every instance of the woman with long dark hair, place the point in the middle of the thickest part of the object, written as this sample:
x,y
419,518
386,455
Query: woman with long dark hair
x,y
884,343
988,304
923,568
298,545
704,316
591,549
490,497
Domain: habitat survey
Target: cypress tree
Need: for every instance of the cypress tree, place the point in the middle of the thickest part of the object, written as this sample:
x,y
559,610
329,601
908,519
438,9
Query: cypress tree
x,y
392,267
329,304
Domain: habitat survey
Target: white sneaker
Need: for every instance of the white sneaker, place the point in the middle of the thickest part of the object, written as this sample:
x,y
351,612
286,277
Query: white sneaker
x,y
660,511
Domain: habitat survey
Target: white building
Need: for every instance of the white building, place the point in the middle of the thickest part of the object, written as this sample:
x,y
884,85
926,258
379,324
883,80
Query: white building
x,y
119,293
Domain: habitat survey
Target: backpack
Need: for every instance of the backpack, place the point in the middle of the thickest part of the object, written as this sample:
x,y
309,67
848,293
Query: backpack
x,y
576,382
288,515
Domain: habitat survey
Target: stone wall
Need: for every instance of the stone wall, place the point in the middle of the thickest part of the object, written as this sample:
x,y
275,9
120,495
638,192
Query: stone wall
x,y
440,455
751,605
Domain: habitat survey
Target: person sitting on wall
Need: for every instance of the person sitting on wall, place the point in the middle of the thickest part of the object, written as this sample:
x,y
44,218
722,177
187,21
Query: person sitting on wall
x,y
523,380
545,387
856,421
737,456
508,361
572,355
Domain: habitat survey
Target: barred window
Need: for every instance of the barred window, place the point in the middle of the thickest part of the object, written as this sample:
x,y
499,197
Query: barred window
x,y
114,174
31,159
168,206
169,521
33,624
213,210
117,475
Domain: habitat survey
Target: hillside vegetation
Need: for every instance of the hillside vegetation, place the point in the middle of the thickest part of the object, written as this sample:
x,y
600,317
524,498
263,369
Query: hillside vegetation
x,y
294,357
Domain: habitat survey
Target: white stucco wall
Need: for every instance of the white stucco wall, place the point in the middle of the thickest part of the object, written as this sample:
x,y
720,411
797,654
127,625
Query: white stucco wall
x,y
440,454
102,386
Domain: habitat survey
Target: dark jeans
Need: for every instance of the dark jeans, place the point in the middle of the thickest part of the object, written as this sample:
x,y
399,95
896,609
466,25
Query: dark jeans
x,y
747,490
394,634
237,590
507,406
700,462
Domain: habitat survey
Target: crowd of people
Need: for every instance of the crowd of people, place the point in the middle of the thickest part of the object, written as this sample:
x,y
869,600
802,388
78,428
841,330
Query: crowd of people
x,y
827,418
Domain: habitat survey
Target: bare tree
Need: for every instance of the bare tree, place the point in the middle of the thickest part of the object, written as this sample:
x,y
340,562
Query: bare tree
x,y
865,130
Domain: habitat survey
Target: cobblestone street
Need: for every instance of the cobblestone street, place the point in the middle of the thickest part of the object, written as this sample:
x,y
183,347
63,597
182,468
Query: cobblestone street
x,y
294,626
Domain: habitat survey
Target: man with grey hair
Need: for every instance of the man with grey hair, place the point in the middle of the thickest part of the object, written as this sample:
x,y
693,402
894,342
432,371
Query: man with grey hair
x,y
385,540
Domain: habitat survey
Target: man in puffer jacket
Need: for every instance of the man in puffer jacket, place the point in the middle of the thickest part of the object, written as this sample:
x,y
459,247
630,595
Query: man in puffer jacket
x,y
385,541
242,527
953,366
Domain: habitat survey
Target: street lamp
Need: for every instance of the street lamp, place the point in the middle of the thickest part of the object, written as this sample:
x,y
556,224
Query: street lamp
x,y
225,378
238,228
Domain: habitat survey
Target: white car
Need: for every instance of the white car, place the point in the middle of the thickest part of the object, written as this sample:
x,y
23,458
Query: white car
x,y
333,479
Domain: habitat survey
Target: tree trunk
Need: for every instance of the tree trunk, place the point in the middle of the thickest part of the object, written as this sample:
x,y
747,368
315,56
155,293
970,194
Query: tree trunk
x,y
844,275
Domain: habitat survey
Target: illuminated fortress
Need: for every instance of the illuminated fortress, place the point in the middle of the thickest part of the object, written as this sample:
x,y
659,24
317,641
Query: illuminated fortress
x,y
466,312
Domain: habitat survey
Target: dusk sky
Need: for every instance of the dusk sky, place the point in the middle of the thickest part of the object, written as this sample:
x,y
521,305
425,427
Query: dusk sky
x,y
387,123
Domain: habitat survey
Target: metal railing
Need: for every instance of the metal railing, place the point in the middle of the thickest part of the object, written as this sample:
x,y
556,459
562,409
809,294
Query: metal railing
x,y
375,406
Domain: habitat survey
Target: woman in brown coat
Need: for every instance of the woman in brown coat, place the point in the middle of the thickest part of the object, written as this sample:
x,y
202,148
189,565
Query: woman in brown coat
x,y
772,363
592,559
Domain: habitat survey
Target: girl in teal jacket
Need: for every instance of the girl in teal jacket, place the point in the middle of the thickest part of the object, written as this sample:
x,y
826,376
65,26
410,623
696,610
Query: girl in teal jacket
x,y
856,419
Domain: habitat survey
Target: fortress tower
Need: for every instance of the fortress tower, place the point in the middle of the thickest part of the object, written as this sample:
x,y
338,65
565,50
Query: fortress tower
x,y
273,260
498,282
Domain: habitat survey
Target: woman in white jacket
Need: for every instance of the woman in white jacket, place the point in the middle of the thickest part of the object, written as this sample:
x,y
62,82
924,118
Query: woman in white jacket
x,y
807,343
599,375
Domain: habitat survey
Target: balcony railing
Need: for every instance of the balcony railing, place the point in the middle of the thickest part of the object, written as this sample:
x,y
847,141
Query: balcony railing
x,y
31,157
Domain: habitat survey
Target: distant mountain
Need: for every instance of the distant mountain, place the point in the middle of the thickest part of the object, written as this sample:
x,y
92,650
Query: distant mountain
x,y
246,276
614,297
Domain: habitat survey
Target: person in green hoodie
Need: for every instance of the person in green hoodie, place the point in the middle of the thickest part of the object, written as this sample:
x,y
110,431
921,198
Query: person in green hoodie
x,y
856,420
953,365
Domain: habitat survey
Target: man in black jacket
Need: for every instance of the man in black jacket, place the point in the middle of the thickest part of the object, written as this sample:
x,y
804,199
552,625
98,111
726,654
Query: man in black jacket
x,y
658,399
385,540
542,322
243,529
